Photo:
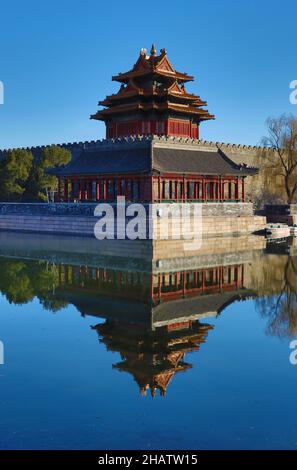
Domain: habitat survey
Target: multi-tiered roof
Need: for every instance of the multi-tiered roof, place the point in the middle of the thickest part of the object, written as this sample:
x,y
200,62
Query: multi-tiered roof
x,y
153,99
153,358
152,152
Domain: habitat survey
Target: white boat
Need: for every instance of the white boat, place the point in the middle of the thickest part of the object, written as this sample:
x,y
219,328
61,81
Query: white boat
x,y
278,231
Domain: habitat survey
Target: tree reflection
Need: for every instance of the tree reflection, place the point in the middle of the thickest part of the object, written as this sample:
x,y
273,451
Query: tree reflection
x,y
22,280
273,278
280,305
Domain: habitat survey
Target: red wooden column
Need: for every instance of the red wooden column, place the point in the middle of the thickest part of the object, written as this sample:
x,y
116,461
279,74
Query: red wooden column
x,y
242,275
184,283
112,189
230,191
237,189
86,190
184,189
167,127
196,186
236,276
242,190
59,190
72,190
98,190
115,188
203,190
203,281
176,190
223,189
211,190
65,190
90,190
83,193
126,188
104,189
170,190
152,196
159,189
69,189
119,184
163,188
218,190
83,190
79,190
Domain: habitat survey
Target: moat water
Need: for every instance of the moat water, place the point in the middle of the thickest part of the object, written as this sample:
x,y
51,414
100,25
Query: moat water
x,y
101,356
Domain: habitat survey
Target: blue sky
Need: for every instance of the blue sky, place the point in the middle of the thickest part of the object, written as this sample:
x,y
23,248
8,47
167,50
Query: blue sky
x,y
57,58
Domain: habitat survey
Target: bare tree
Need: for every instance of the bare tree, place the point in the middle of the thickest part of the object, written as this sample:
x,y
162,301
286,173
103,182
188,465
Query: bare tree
x,y
279,158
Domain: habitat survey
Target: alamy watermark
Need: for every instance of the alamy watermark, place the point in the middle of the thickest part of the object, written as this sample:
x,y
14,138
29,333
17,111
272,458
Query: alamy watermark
x,y
293,94
150,222
1,92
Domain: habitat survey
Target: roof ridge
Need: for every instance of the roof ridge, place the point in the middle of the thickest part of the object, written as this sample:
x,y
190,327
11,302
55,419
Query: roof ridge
x,y
227,159
232,162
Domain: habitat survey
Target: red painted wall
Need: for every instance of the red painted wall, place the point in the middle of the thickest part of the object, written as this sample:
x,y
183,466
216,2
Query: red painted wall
x,y
173,127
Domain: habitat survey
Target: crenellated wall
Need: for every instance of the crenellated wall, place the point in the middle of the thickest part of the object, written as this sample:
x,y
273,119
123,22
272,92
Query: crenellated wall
x,y
241,154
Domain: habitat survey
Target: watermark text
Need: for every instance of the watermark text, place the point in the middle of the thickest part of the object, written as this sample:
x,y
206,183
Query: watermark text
x,y
150,222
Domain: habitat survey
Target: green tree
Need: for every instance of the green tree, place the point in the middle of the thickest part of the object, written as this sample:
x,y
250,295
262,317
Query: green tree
x,y
41,183
15,169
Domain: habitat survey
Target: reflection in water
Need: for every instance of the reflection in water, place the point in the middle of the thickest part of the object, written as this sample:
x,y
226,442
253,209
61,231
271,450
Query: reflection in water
x,y
154,318
22,280
150,287
203,314
151,319
159,324
152,357
278,301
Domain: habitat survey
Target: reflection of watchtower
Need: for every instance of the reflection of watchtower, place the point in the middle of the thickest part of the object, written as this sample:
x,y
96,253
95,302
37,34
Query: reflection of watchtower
x,y
196,282
152,319
149,287
106,281
153,357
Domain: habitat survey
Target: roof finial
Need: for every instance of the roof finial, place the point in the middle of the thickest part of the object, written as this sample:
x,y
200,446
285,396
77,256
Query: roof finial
x,y
143,51
153,50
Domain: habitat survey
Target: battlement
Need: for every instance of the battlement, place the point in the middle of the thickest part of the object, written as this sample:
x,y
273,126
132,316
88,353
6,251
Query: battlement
x,y
74,146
